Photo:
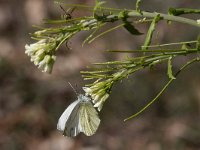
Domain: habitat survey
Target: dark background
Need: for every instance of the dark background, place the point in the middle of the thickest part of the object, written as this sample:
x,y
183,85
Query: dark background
x,y
31,101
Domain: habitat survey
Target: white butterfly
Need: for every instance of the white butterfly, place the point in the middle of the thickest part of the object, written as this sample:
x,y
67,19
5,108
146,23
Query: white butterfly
x,y
80,116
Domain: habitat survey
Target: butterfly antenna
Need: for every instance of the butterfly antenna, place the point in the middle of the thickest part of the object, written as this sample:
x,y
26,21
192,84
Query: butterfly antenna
x,y
73,88
63,9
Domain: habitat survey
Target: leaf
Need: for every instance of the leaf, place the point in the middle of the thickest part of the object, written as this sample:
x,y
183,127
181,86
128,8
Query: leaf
x,y
180,11
150,32
123,15
98,5
169,69
186,46
131,29
138,6
90,36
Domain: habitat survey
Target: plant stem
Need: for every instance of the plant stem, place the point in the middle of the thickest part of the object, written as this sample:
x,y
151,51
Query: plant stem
x,y
134,13
150,51
169,44
103,33
165,17
164,88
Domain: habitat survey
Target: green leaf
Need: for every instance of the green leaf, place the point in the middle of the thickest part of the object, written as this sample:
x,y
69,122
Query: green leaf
x,y
169,69
123,15
138,6
186,46
131,29
98,5
180,11
150,32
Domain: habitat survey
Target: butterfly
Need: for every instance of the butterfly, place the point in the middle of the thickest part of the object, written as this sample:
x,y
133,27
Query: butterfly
x,y
80,116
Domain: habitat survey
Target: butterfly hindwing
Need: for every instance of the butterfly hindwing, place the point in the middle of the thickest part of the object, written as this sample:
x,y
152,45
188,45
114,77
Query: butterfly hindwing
x,y
89,119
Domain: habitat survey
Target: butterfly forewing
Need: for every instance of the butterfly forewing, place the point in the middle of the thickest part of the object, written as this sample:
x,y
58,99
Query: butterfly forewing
x,y
69,122
72,127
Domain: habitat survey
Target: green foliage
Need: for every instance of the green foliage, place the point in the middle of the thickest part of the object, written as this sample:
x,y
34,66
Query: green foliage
x,y
181,11
151,31
103,76
169,69
131,29
138,2
123,15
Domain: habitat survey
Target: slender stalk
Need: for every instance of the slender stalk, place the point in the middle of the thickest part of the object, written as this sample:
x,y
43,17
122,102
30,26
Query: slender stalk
x,y
164,88
165,17
88,7
47,21
134,13
103,33
150,51
169,44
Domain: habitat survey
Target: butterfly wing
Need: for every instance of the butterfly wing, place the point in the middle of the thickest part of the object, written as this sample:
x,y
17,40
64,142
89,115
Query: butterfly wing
x,y
80,116
68,123
89,119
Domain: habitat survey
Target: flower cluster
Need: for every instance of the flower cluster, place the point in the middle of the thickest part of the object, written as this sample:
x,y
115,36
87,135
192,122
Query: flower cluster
x,y
42,54
99,92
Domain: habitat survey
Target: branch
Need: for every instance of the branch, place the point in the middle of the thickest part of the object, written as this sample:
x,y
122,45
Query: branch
x,y
164,88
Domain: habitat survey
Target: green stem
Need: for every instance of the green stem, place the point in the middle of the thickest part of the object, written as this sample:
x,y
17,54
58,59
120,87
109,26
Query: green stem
x,y
47,21
151,102
86,7
134,13
165,17
150,58
149,51
107,31
164,88
176,43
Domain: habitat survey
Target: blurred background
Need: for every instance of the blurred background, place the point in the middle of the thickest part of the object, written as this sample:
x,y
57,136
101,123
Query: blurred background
x,y
31,101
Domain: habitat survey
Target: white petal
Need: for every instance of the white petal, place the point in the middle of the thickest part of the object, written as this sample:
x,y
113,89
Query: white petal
x,y
87,90
96,98
105,97
198,21
99,105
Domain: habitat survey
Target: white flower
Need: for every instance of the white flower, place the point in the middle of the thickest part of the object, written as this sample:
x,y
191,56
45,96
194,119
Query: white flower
x,y
198,21
98,93
42,54
100,102
47,63
33,48
87,90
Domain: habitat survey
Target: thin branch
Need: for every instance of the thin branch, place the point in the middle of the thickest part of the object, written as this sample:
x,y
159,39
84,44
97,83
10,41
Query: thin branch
x,y
164,88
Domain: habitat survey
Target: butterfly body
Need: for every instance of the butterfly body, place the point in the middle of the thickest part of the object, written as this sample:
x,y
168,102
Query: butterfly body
x,y
80,116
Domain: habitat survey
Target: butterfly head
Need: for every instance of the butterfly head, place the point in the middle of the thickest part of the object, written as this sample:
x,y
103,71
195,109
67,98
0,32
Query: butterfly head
x,y
83,98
